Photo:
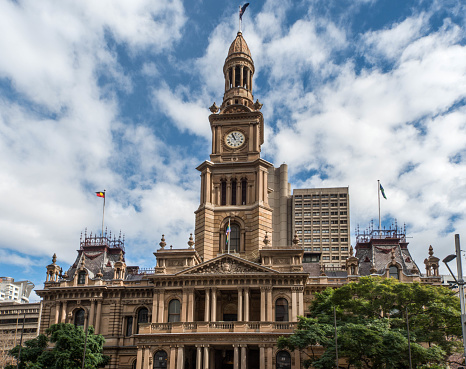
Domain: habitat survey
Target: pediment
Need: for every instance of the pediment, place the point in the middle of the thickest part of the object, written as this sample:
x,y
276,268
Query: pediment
x,y
227,264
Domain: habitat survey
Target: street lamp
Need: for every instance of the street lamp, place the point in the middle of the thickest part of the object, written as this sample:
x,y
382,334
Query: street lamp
x,y
460,282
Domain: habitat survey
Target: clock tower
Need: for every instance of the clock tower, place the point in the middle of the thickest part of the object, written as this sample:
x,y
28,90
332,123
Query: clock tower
x,y
234,190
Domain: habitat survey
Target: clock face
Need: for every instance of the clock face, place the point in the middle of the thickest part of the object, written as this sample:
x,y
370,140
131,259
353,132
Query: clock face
x,y
234,139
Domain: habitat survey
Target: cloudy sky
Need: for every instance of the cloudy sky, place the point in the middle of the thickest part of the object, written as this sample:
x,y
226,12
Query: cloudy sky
x,y
114,94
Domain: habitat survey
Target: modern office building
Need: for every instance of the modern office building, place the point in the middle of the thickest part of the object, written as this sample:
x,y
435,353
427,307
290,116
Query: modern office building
x,y
16,320
321,219
12,291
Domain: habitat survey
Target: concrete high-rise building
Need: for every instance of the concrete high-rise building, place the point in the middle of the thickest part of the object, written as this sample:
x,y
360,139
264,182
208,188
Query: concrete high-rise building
x,y
321,219
12,291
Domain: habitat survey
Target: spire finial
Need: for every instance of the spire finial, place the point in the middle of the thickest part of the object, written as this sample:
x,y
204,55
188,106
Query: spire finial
x,y
191,241
54,258
162,242
266,239
431,250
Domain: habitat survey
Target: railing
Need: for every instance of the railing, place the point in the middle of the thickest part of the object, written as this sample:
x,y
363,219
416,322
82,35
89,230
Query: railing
x,y
181,327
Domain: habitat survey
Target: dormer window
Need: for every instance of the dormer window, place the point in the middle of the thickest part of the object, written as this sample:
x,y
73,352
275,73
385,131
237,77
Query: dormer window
x,y
393,272
82,277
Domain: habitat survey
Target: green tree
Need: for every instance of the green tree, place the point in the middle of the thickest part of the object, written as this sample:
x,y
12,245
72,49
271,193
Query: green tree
x,y
371,325
66,351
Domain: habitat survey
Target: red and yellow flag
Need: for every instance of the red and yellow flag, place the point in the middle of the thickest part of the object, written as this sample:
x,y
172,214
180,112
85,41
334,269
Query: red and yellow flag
x,y
100,194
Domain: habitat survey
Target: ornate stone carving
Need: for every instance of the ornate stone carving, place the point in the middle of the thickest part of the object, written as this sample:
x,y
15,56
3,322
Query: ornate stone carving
x,y
225,266
214,108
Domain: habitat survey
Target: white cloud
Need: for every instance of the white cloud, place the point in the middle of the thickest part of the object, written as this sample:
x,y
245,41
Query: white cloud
x,y
191,116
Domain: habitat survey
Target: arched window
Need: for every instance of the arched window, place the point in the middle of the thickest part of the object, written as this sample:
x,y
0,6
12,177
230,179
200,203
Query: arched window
x,y
79,318
281,310
223,194
234,238
237,76
283,360
160,359
129,326
82,277
393,272
233,192
143,317
174,311
244,189
134,365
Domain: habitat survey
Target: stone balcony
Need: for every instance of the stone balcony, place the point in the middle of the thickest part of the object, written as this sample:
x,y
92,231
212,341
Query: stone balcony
x,y
218,327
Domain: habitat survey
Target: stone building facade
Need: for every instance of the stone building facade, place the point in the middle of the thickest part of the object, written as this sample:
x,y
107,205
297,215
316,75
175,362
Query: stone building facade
x,y
222,301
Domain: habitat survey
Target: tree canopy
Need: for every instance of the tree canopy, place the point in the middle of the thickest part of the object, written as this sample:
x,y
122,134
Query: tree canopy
x,y
67,351
371,325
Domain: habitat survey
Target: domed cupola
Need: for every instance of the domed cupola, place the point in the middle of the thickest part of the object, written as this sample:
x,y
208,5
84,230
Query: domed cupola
x,y
238,71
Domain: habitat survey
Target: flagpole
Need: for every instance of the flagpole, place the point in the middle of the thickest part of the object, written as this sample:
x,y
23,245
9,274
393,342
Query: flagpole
x,y
103,215
239,20
378,193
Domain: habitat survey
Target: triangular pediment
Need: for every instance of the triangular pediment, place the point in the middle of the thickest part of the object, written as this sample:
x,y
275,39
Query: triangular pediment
x,y
227,264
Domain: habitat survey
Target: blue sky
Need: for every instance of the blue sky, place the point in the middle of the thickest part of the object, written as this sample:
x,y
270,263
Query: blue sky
x,y
114,95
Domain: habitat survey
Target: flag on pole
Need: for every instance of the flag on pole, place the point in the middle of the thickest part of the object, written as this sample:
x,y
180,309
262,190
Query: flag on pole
x,y
228,232
100,194
242,10
382,191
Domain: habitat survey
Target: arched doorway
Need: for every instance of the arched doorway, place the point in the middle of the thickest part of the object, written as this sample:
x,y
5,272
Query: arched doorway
x,y
160,359
283,360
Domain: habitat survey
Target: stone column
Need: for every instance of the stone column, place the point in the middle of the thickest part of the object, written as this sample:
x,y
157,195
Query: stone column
x,y
206,357
63,312
238,192
191,305
263,311
250,82
139,359
146,357
294,305
233,76
241,75
207,305
269,305
98,316
266,197
248,78
180,359
269,358
208,182
301,301
228,202
246,304
92,312
240,304
202,188
262,356
57,311
214,305
199,357
155,297
172,357
243,356
161,306
297,359
184,305
235,357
